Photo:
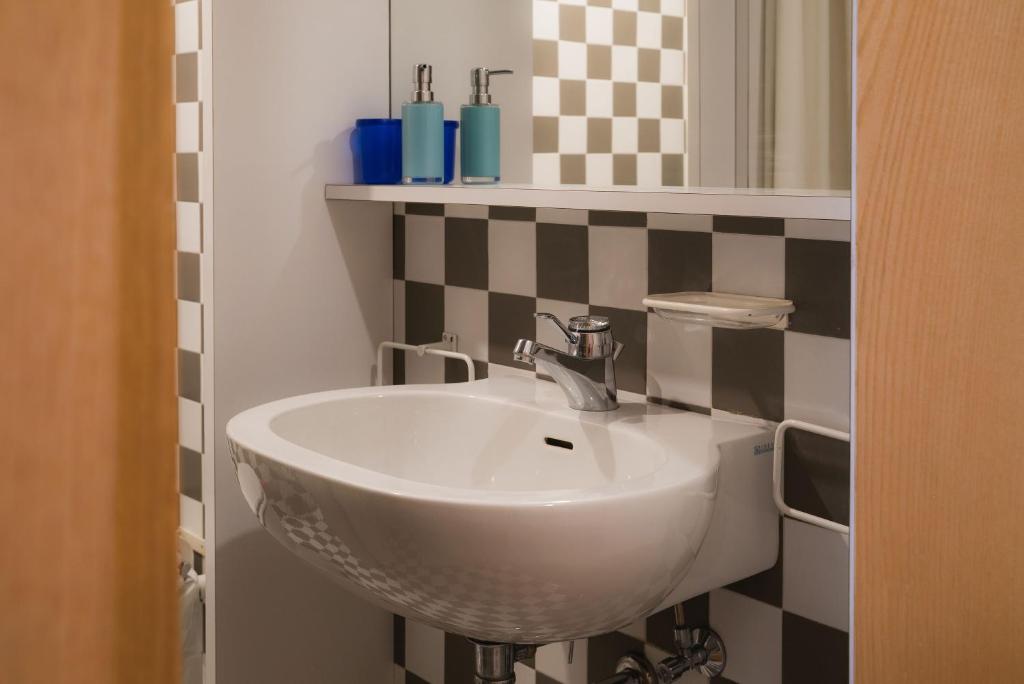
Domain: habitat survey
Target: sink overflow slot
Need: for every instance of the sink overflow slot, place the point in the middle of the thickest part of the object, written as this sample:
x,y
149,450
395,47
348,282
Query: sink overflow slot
x,y
560,443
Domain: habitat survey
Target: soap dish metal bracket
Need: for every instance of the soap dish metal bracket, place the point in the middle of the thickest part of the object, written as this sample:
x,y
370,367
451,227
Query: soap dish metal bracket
x,y
722,310
448,347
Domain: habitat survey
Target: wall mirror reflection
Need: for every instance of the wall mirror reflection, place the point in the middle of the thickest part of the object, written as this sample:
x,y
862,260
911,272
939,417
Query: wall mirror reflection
x,y
646,93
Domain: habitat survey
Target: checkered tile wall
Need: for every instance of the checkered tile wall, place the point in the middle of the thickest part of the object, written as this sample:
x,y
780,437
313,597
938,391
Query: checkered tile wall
x,y
609,92
482,271
189,145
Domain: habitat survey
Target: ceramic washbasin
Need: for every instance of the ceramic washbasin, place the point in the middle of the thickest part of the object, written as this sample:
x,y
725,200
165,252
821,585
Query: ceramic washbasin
x,y
490,509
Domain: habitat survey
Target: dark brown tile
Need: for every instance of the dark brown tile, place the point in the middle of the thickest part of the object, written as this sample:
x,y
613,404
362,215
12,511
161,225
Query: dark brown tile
x,y
630,328
599,135
423,209
764,586
186,167
672,33
465,252
678,261
649,65
512,213
813,653
189,375
623,27
649,135
411,678
624,99
624,169
818,283
672,403
604,651
573,169
748,372
545,58
188,276
629,219
541,677
672,102
572,98
572,23
458,659
398,640
752,225
509,319
186,77
424,312
455,370
545,134
398,247
650,5
563,263
817,475
599,61
672,169
190,473
397,367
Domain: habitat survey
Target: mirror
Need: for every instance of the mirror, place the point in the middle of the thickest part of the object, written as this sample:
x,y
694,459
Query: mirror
x,y
647,93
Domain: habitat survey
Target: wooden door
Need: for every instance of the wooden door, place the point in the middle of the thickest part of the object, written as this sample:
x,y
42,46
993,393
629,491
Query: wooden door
x,y
939,562
87,411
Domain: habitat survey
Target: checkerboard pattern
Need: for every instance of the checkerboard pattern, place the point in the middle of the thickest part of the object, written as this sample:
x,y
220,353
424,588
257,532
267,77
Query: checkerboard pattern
x,y
190,256
481,272
609,92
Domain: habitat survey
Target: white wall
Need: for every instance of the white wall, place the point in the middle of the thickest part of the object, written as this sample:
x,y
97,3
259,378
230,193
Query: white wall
x,y
302,293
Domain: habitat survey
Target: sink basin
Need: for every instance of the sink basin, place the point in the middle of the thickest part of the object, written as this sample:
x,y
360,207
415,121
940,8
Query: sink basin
x,y
490,509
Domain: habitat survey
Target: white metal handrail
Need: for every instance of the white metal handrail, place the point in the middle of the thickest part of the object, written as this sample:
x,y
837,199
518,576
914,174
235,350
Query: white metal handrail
x,y
432,349
778,459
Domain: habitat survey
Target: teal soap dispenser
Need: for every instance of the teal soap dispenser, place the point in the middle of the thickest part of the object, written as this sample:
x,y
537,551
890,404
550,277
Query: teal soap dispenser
x,y
480,130
422,131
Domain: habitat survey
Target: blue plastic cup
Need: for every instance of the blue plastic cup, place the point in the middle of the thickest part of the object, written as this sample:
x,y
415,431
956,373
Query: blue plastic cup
x,y
377,151
450,128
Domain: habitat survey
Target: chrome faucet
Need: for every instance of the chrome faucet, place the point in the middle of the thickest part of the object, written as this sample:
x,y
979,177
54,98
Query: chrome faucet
x,y
586,370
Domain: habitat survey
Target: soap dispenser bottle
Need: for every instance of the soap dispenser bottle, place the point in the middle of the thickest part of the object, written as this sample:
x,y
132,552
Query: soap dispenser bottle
x,y
481,130
422,131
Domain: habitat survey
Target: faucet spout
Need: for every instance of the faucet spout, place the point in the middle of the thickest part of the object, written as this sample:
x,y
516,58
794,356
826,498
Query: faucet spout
x,y
588,383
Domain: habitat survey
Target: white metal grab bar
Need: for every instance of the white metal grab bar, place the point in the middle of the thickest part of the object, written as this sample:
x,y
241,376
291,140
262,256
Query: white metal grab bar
x,y
777,465
432,349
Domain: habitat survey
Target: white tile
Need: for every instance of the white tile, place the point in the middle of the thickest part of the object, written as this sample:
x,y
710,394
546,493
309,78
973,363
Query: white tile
x,y
572,60
599,171
599,98
625,4
424,249
752,631
599,25
637,630
525,674
624,63
748,264
572,134
673,67
189,221
187,123
648,29
572,217
673,8
673,133
190,326
648,100
397,674
546,100
512,257
695,223
398,208
424,651
547,169
648,170
818,380
816,574
618,266
186,27
423,370
552,660
818,229
624,135
465,314
547,333
190,424
545,20
399,303
466,210
190,515
678,361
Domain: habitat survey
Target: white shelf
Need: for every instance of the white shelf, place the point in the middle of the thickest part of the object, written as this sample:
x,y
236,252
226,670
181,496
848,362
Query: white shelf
x,y
723,201
722,310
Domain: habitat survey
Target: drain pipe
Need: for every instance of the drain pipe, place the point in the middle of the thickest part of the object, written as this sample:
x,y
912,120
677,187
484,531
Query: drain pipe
x,y
494,663
698,649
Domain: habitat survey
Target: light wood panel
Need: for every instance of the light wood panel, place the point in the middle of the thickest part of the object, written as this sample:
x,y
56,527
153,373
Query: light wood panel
x,y
939,593
87,334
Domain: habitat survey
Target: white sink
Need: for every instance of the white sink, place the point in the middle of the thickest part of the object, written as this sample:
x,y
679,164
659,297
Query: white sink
x,y
490,509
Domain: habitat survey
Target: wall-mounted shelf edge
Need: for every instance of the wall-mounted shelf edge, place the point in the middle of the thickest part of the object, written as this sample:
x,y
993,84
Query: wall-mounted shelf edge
x,y
722,201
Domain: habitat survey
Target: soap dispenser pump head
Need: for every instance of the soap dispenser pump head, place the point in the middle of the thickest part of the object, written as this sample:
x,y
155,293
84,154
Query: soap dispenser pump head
x,y
422,78
480,82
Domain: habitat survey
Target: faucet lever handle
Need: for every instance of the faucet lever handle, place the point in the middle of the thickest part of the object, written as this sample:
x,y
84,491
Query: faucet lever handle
x,y
570,337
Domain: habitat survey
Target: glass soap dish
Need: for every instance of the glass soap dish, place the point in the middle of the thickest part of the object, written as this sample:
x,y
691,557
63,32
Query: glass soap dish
x,y
722,310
